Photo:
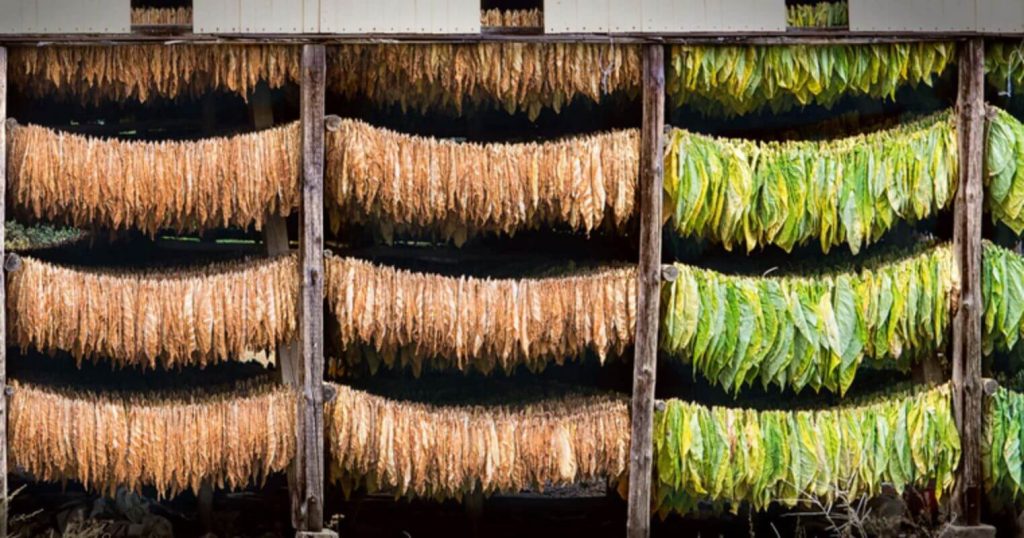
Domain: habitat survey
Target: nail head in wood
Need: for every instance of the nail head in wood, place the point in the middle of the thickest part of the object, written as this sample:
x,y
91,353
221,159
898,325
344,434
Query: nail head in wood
x,y
332,123
330,393
990,386
669,273
13,263
659,405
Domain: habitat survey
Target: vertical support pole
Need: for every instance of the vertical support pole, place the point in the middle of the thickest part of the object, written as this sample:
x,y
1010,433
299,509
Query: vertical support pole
x,y
308,492
648,292
3,294
967,215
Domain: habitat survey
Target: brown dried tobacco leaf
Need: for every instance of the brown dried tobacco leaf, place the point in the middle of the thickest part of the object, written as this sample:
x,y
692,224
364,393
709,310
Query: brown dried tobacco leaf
x,y
166,318
515,76
185,186
512,18
441,452
170,441
92,74
407,319
462,189
150,16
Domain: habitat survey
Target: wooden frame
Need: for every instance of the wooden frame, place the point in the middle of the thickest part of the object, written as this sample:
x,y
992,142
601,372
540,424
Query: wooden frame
x,y
967,252
3,293
645,358
305,367
803,37
307,492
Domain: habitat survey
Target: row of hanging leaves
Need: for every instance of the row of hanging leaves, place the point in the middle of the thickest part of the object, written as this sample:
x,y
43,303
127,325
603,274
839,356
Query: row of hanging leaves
x,y
809,331
187,186
421,450
849,190
456,190
736,80
517,77
529,77
1004,66
94,74
727,456
1002,291
1004,169
819,15
170,441
169,318
1002,464
405,319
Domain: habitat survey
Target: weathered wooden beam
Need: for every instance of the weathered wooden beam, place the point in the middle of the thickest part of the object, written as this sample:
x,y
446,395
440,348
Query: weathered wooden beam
x,y
967,215
645,356
802,37
308,495
3,294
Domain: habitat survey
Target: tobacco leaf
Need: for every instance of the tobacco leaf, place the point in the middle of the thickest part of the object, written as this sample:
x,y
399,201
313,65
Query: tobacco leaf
x,y
728,456
168,318
849,190
172,442
411,320
421,450
813,330
524,77
459,190
737,80
93,74
150,186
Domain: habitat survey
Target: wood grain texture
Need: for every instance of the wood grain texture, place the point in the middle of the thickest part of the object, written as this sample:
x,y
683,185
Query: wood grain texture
x,y
648,295
967,215
3,295
311,309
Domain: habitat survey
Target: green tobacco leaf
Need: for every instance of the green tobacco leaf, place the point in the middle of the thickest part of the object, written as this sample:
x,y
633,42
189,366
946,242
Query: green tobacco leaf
x,y
764,457
735,80
1003,298
844,191
1004,170
814,330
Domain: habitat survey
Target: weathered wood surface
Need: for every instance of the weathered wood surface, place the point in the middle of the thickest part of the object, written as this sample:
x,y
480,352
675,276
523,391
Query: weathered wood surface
x,y
791,37
309,495
648,296
967,215
3,294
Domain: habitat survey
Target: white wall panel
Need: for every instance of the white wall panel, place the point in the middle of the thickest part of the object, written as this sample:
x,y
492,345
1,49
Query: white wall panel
x,y
65,16
255,16
912,15
400,16
664,16
1001,16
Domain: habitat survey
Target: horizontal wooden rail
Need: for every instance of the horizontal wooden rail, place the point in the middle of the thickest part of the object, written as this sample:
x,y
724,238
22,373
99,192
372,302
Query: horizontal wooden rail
x,y
792,38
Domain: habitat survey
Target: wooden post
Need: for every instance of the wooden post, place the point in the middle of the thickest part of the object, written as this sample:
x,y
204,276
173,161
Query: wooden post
x,y
967,215
3,294
308,492
645,357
